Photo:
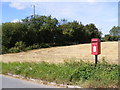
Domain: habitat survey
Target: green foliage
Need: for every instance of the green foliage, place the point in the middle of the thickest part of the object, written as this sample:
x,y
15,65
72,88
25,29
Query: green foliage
x,y
83,73
4,49
19,46
115,31
104,75
0,38
12,33
34,46
93,31
45,29
14,50
44,45
28,48
108,37
114,34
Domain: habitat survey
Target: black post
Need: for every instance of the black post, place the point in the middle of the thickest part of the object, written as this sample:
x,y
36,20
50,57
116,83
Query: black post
x,y
96,60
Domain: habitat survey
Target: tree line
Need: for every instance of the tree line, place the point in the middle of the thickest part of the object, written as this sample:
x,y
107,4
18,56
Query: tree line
x,y
45,31
114,34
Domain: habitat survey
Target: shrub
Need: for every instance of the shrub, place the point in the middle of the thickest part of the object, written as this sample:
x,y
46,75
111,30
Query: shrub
x,y
34,46
44,45
80,73
4,49
14,50
28,48
20,45
84,72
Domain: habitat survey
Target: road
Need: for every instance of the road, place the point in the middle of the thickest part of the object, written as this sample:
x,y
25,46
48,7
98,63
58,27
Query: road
x,y
9,82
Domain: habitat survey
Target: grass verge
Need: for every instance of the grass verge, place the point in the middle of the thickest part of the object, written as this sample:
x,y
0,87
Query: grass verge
x,y
72,73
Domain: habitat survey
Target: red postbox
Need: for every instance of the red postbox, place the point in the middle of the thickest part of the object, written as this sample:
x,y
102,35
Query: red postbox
x,y
96,46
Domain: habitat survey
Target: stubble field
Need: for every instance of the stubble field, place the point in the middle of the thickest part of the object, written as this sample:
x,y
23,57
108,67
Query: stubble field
x,y
109,51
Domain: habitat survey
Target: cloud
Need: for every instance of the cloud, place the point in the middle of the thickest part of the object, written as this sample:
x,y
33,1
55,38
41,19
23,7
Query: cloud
x,y
17,5
16,20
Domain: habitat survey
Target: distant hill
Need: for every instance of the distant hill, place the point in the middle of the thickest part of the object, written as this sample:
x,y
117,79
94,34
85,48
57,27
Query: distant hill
x,y
65,53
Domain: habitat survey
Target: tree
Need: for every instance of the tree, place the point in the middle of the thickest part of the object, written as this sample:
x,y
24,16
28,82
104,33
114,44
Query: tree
x,y
43,30
7,34
107,37
0,38
114,34
68,30
40,29
92,31
115,31
78,33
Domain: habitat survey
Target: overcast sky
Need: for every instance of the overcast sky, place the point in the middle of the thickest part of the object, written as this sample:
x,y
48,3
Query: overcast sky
x,y
103,14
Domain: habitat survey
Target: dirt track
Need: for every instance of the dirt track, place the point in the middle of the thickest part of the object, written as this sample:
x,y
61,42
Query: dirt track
x,y
65,53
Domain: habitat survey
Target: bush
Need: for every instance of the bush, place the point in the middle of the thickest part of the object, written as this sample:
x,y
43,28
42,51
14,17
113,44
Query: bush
x,y
4,49
20,45
84,72
34,46
111,38
80,73
14,50
44,45
28,48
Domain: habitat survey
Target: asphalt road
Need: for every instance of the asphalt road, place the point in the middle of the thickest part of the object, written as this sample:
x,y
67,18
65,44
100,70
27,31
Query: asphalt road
x,y
9,82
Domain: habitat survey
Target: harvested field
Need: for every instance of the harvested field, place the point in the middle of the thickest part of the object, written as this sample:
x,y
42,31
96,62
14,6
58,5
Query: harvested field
x,y
65,53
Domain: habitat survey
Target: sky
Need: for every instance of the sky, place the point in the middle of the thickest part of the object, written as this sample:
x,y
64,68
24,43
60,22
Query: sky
x,y
103,14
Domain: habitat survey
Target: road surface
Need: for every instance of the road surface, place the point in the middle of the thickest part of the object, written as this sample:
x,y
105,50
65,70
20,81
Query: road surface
x,y
9,82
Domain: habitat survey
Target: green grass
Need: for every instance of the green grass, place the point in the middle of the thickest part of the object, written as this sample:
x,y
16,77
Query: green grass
x,y
75,73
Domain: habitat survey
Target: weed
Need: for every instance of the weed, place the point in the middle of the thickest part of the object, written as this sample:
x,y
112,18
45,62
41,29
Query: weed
x,y
80,73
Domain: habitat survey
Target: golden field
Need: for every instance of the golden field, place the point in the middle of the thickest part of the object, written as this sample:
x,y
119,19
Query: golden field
x,y
109,51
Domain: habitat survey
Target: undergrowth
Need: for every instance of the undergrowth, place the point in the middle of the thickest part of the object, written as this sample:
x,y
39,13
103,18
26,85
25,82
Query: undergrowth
x,y
76,73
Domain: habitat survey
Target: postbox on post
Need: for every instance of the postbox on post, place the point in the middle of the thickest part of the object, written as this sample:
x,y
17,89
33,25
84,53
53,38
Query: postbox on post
x,y
96,48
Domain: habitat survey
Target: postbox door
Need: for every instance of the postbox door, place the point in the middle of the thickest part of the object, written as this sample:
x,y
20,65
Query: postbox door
x,y
94,48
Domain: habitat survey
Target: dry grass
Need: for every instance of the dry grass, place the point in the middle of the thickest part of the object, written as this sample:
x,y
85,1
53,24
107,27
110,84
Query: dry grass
x,y
65,53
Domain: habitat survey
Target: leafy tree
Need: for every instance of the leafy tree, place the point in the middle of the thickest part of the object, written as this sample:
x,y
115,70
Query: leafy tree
x,y
114,34
13,32
0,38
93,31
7,34
45,30
63,21
40,28
107,37
78,33
115,31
